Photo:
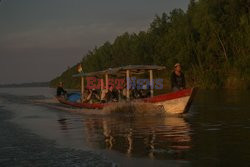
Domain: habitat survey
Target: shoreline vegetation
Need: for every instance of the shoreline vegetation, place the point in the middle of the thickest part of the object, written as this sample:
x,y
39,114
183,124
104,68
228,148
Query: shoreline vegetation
x,y
211,40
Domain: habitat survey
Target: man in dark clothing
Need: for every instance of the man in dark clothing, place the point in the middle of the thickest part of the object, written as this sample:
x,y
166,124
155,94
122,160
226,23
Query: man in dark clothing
x,y
177,78
60,91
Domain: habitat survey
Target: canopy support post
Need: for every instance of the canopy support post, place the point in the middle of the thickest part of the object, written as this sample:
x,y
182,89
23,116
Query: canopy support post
x,y
151,83
128,84
102,84
82,88
107,81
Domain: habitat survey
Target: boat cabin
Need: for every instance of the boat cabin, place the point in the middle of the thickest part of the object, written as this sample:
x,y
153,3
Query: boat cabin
x,y
126,71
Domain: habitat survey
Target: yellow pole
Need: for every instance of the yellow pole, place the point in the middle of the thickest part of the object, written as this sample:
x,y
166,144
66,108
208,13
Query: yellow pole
x,y
107,81
102,84
151,83
128,79
82,88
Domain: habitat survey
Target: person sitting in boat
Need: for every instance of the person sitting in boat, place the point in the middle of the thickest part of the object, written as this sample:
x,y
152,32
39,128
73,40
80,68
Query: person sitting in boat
x,y
145,91
95,97
86,96
123,92
135,93
103,96
177,78
60,91
90,96
112,95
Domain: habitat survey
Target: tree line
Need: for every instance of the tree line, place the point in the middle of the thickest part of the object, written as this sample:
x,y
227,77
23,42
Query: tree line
x,y
211,39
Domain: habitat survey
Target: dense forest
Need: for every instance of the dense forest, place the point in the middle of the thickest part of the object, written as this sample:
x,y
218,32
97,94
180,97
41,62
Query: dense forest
x,y
211,39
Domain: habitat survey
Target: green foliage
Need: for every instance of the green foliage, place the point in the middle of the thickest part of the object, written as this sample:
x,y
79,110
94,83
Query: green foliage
x,y
211,40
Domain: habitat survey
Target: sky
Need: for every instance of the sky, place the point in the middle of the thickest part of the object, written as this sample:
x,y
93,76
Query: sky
x,y
39,39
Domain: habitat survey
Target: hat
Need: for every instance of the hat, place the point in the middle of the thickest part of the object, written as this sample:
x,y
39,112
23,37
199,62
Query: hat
x,y
177,64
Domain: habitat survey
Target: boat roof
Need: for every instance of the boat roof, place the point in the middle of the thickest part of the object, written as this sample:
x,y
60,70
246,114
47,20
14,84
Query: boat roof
x,y
134,69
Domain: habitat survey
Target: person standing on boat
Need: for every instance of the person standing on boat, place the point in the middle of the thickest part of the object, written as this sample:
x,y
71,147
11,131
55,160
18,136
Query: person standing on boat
x,y
177,78
60,91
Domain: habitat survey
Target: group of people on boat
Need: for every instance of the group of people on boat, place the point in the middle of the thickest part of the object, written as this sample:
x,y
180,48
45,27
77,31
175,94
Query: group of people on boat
x,y
102,96
105,95
113,95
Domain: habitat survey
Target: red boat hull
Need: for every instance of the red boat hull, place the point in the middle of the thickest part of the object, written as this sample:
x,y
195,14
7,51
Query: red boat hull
x,y
175,102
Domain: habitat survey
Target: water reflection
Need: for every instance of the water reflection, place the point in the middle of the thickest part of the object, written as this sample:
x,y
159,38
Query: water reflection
x,y
63,124
153,137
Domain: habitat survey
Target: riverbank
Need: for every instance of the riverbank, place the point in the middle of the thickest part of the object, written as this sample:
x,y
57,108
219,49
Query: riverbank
x,y
19,147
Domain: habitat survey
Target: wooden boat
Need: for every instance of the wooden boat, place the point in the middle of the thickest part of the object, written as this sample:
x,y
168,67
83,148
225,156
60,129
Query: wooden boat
x,y
172,103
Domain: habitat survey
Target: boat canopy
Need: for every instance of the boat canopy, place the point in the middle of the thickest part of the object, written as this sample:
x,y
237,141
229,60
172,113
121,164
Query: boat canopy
x,y
134,69
126,71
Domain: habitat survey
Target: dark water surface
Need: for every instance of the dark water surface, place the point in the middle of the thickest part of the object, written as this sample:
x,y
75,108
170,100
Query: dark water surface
x,y
215,132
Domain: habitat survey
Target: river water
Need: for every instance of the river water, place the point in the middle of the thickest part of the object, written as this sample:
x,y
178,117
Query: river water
x,y
215,132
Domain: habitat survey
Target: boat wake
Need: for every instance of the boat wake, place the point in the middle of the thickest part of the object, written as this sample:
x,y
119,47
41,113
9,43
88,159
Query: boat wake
x,y
121,108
